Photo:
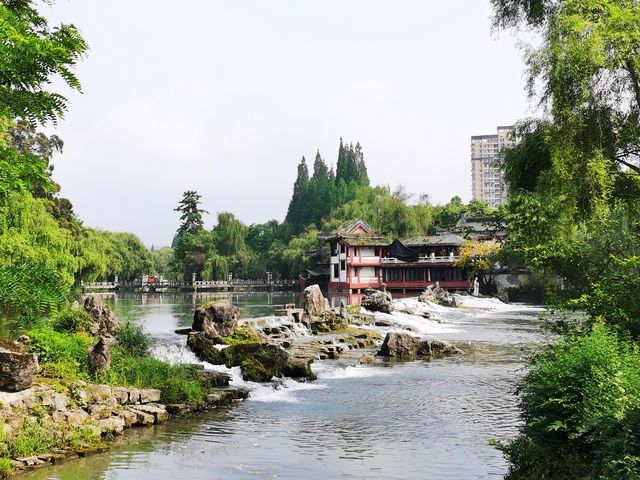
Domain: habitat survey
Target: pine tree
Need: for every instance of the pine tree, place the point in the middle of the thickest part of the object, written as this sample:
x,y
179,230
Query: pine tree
x,y
298,206
191,215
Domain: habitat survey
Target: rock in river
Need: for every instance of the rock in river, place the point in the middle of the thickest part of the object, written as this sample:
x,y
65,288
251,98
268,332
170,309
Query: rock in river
x,y
405,345
216,319
259,363
377,301
314,302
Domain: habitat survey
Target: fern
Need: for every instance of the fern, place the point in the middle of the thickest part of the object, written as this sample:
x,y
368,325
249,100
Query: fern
x,y
31,292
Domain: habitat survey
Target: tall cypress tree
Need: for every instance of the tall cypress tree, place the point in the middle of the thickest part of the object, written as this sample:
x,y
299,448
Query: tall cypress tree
x,y
297,213
321,191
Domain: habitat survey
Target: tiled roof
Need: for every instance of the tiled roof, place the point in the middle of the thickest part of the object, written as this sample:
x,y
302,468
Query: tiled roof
x,y
442,239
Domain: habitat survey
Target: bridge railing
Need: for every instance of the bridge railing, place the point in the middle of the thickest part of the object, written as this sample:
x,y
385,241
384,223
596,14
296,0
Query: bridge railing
x,y
182,284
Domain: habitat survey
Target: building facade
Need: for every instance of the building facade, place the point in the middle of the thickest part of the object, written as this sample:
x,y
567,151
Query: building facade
x,y
487,179
360,259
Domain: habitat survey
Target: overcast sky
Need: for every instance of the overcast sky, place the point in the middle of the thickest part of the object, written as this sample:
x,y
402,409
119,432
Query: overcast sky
x,y
224,97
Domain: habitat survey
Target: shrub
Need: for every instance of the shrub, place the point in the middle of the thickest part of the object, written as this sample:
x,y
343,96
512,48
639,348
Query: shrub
x,y
581,406
61,352
133,340
71,320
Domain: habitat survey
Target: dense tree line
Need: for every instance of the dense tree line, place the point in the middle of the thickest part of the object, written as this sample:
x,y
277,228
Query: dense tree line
x,y
45,250
574,221
249,251
314,198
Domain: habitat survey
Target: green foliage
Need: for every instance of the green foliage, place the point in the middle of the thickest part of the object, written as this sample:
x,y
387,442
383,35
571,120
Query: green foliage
x,y
610,297
315,198
530,158
297,214
161,261
71,320
190,214
179,384
31,291
581,406
191,251
5,467
31,56
133,340
61,354
242,336
37,435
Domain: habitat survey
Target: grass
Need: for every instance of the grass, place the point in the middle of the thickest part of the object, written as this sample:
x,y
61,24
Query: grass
x,y
243,335
178,384
61,355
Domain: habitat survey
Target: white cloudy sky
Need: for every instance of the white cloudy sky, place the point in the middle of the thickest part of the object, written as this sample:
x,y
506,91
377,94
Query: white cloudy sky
x,y
224,97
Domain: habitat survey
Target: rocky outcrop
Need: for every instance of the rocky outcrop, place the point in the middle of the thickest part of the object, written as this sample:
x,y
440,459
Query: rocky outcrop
x,y
377,301
314,302
405,345
103,321
99,357
258,362
16,368
329,321
216,319
436,294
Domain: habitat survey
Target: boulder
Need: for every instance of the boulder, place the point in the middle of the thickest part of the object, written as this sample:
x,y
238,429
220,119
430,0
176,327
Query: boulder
x,y
16,368
259,363
299,367
377,301
314,302
399,344
328,321
405,345
99,357
103,321
205,348
437,294
440,347
216,319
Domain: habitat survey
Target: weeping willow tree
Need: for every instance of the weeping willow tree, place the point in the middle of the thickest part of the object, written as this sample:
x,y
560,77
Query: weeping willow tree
x,y
574,215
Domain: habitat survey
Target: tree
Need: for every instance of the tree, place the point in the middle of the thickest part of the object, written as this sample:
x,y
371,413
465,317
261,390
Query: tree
x,y
297,214
190,214
480,259
31,55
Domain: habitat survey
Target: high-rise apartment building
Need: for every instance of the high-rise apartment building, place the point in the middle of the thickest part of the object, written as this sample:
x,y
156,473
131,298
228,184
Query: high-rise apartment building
x,y
487,180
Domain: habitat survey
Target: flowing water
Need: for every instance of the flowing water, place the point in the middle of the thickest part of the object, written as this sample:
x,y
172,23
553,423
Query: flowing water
x,y
390,420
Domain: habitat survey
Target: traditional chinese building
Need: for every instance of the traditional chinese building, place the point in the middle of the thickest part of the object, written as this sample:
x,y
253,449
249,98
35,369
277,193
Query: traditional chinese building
x,y
361,258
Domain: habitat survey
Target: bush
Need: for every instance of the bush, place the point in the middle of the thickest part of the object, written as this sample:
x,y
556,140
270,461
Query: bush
x,y
179,384
133,340
63,353
71,320
581,406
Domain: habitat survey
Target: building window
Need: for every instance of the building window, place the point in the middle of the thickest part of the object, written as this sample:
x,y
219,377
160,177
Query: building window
x,y
334,249
343,248
343,265
336,271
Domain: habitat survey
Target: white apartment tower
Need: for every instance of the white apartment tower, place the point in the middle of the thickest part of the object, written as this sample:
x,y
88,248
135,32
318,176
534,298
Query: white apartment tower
x,y
487,180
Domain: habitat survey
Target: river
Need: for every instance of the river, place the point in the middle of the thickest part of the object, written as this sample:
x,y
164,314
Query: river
x,y
389,420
